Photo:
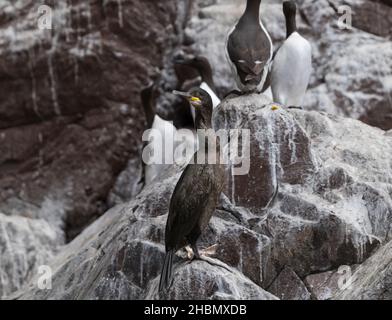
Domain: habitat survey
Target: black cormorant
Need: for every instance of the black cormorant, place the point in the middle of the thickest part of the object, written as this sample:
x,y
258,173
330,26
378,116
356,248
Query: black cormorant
x,y
197,192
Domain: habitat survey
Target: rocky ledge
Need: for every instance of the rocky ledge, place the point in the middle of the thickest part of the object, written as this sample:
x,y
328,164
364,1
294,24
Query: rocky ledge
x,y
333,209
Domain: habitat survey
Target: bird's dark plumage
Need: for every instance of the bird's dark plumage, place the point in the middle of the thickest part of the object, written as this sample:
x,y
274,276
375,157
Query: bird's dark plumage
x,y
195,196
249,49
203,67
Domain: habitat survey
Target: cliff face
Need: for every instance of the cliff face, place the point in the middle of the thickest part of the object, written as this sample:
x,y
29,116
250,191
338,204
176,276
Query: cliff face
x,y
70,133
70,116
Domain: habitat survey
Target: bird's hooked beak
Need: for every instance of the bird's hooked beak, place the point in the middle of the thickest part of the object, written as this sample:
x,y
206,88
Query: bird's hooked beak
x,y
194,101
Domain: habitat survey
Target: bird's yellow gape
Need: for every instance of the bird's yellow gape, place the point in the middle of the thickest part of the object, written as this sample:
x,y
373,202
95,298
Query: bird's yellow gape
x,y
195,101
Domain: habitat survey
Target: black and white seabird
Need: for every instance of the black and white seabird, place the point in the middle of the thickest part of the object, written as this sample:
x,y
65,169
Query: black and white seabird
x,y
166,129
292,65
196,194
203,67
250,49
164,140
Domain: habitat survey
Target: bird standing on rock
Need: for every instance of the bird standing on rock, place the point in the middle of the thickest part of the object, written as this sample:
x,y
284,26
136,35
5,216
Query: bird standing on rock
x,y
197,192
292,64
250,49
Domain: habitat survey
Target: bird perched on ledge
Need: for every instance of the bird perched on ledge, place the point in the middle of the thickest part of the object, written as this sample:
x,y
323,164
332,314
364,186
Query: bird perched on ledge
x,y
292,65
249,49
196,194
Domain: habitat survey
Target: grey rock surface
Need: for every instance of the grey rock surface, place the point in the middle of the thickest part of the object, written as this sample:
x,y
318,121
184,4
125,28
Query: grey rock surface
x,y
323,285
288,286
70,131
336,214
372,280
26,244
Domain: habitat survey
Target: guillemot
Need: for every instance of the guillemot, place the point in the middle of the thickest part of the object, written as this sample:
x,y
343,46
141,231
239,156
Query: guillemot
x,y
249,49
166,130
196,194
292,65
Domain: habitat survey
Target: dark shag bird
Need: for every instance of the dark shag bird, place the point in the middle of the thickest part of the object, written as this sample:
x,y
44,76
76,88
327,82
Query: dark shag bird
x,y
249,49
292,65
203,67
196,194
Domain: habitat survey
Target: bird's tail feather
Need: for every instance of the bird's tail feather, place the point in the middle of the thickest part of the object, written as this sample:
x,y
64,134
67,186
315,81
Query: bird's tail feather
x,y
166,273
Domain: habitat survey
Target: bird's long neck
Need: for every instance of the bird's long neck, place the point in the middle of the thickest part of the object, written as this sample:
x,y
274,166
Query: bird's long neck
x,y
291,25
202,121
209,142
252,10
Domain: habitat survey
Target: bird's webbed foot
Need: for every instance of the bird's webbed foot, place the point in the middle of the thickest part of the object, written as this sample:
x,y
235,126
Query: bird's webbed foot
x,y
189,253
193,252
196,254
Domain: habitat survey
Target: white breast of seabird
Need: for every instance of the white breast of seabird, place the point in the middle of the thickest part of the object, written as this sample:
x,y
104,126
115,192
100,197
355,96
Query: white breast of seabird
x,y
291,71
163,144
215,100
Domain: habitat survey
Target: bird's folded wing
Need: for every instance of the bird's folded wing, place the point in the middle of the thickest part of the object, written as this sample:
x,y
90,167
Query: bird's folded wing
x,y
188,202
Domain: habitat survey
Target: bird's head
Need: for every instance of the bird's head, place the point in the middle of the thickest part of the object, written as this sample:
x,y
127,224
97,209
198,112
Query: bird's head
x,y
202,102
200,63
289,8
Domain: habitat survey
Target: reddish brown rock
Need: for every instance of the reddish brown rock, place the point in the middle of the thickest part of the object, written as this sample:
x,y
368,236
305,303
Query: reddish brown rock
x,y
70,113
